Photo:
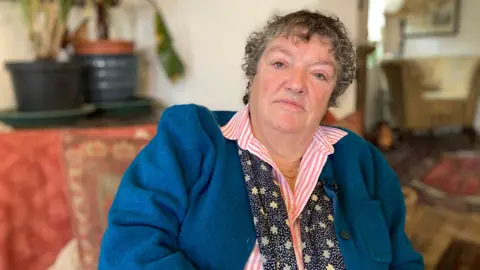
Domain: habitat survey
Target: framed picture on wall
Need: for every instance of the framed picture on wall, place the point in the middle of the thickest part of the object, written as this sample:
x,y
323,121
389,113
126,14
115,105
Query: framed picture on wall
x,y
442,22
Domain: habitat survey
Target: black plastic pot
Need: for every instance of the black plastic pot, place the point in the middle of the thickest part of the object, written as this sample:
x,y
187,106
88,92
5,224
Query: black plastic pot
x,y
46,85
108,78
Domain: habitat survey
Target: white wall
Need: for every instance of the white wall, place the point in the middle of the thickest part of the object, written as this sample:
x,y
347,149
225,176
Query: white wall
x,y
466,42
210,37
13,46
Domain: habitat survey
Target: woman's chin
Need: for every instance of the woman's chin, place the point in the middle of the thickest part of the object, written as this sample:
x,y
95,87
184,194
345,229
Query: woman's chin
x,y
288,125
285,121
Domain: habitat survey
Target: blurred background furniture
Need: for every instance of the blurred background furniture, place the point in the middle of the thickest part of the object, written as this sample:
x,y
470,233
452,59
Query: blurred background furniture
x,y
427,93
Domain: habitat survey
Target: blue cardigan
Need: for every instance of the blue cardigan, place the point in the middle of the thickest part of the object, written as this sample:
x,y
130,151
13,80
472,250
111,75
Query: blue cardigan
x,y
182,203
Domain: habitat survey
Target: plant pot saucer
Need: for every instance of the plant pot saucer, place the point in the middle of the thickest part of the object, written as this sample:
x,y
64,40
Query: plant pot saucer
x,y
136,105
52,118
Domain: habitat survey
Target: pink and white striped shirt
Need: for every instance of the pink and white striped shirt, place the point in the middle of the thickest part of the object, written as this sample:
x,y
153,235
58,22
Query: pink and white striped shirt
x,y
239,129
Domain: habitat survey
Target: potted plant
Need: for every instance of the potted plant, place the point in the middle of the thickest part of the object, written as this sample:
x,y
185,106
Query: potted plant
x,y
109,66
46,83
103,44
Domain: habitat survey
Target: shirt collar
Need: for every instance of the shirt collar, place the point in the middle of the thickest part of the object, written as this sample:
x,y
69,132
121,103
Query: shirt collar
x,y
239,129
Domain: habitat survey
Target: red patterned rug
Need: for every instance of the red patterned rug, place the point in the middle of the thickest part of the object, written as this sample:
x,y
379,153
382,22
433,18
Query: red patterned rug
x,y
443,170
457,174
453,181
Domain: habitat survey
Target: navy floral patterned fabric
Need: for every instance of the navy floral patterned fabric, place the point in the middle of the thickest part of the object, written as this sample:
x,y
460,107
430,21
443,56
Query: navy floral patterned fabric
x,y
319,243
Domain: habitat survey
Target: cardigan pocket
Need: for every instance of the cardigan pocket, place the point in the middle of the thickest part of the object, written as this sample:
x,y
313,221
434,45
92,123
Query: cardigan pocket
x,y
374,231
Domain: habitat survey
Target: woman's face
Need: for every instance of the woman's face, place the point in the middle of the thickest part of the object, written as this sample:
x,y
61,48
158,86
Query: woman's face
x,y
293,84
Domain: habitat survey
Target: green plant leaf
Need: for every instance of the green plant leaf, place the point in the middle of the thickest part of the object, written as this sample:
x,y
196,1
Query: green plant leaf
x,y
25,6
64,7
169,59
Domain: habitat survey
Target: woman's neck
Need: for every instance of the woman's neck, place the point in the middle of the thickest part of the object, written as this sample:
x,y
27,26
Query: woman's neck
x,y
285,149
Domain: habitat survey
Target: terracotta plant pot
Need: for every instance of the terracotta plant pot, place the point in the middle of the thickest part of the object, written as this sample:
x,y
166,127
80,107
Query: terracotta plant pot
x,y
103,47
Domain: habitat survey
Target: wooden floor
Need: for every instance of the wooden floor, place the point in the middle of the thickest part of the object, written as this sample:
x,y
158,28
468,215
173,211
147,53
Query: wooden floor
x,y
433,228
433,225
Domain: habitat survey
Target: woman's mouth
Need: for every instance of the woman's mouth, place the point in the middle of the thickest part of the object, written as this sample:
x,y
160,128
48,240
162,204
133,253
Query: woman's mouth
x,y
290,104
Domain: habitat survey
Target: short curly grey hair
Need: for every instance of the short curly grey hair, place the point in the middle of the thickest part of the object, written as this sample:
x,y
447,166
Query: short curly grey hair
x,y
304,24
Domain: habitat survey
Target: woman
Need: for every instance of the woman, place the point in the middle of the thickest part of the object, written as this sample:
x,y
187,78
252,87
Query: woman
x,y
266,187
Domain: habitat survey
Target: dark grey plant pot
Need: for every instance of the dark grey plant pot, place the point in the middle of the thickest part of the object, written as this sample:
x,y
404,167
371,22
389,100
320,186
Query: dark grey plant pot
x,y
108,78
46,85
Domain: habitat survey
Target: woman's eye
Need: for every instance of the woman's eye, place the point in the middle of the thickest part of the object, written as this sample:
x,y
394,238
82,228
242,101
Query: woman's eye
x,y
278,64
320,76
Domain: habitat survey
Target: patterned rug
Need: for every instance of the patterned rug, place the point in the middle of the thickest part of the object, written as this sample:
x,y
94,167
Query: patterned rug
x,y
460,255
444,170
457,173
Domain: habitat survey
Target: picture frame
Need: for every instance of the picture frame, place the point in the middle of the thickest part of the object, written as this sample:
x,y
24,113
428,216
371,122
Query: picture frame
x,y
442,22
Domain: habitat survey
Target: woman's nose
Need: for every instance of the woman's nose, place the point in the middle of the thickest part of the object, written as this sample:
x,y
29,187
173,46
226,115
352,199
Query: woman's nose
x,y
296,83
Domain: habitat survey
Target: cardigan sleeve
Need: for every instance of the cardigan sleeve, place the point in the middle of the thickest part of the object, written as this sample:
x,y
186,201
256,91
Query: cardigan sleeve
x,y
389,193
151,202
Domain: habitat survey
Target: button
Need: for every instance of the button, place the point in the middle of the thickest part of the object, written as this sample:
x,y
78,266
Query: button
x,y
345,235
